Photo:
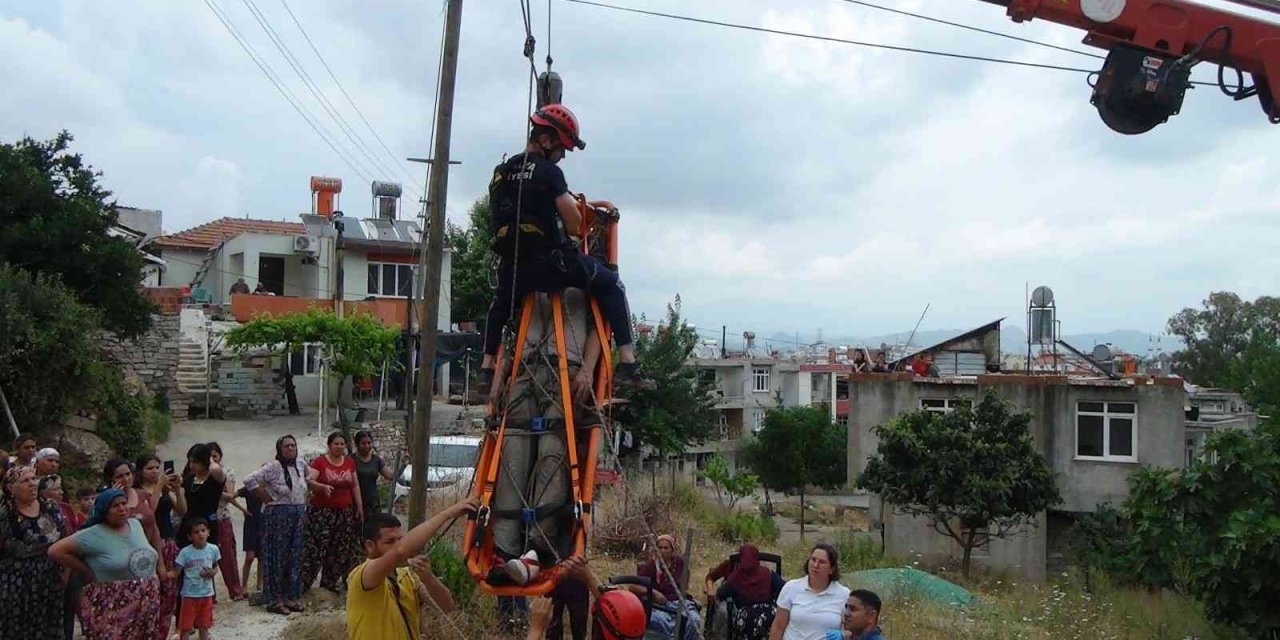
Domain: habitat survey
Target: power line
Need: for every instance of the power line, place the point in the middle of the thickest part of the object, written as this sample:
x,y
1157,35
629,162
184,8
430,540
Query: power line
x,y
314,89
809,36
346,95
973,28
279,85
860,43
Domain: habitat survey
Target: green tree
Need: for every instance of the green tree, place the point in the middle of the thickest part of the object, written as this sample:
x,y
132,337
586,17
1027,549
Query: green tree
x,y
1256,373
798,447
974,472
355,345
1217,335
471,281
49,353
730,487
56,220
1213,530
680,411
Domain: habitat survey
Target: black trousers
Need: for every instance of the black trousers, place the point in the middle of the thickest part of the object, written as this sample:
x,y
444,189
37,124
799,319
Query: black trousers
x,y
558,272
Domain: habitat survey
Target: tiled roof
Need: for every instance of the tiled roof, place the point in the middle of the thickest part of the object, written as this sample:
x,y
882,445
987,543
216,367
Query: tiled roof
x,y
209,234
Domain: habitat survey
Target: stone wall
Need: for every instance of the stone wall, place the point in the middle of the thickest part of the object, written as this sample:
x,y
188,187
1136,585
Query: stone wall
x,y
388,438
151,359
249,386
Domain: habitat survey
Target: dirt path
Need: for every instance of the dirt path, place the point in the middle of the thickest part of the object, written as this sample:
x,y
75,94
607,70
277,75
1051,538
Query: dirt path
x,y
246,445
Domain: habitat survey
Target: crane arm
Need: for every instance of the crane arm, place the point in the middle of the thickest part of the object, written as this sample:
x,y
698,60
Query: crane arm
x,y
1152,46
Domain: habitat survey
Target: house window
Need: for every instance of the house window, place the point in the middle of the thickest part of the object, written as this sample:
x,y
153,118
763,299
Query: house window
x,y
390,280
757,421
942,405
760,380
1107,431
843,420
305,361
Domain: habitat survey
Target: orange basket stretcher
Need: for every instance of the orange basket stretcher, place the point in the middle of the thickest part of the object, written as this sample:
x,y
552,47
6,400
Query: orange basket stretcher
x,y
535,475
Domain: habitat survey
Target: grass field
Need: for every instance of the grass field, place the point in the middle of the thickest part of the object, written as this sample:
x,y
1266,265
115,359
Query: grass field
x,y
1059,609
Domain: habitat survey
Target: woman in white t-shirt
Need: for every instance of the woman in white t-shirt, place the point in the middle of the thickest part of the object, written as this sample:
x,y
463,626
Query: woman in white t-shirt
x,y
808,607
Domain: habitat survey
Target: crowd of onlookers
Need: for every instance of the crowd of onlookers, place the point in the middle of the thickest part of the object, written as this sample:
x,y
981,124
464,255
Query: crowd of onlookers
x,y
920,364
134,552
134,555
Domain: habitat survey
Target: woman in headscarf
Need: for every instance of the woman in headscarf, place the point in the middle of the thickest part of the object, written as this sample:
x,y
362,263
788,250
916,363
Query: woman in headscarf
x,y
122,598
47,462
31,593
170,499
669,576
281,485
752,587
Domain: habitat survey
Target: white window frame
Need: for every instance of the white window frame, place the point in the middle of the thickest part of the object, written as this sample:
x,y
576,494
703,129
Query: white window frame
x,y
760,379
1107,414
381,266
311,360
757,420
948,404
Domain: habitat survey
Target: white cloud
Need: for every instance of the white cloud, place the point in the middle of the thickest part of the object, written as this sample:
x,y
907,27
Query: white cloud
x,y
778,183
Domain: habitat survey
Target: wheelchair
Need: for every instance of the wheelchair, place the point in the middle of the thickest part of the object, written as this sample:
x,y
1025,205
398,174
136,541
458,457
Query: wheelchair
x,y
650,606
716,628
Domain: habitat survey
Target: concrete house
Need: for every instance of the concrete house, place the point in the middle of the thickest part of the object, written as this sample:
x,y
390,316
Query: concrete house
x,y
1094,433
323,259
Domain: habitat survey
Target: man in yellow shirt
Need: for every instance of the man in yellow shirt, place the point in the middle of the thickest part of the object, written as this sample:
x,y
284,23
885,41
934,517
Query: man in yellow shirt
x,y
383,597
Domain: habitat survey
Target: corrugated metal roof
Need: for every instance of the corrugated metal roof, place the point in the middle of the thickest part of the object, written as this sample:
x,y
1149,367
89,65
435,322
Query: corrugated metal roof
x,y
209,234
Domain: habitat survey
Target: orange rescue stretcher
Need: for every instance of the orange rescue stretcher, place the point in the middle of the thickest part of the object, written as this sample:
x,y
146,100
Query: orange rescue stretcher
x,y
581,439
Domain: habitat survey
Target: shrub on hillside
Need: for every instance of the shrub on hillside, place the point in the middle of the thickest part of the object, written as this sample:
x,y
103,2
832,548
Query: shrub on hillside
x,y
745,527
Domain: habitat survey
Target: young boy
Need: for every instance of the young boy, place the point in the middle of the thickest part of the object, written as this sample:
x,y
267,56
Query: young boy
x,y
197,564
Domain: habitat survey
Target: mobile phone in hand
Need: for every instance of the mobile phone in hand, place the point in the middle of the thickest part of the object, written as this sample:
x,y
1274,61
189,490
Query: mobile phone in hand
x,y
168,467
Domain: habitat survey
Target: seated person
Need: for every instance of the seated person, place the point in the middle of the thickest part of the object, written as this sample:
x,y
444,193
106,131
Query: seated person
x,y
534,216
753,589
617,614
666,592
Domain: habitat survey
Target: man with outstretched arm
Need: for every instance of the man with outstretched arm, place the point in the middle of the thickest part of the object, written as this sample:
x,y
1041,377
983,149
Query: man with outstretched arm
x,y
384,597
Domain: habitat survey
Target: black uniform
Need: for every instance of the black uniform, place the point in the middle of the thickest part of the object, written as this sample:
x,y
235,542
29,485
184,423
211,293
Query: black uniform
x,y
544,259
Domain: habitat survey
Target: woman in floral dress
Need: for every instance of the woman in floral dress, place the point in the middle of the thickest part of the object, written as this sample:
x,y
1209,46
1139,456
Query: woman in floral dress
x,y
122,598
31,593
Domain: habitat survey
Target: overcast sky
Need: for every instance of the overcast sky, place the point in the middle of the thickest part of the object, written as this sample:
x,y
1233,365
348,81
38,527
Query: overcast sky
x,y
776,184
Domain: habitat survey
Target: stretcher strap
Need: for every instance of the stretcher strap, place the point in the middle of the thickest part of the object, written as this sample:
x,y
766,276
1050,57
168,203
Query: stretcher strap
x,y
566,395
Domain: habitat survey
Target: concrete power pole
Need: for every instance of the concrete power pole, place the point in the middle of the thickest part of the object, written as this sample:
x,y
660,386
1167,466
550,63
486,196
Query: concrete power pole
x,y
431,264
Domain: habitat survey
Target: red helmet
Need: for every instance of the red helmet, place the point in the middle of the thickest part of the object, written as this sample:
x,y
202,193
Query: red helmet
x,y
620,615
560,118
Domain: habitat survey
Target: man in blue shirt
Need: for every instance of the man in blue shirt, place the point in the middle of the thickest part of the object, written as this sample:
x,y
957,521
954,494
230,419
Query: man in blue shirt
x,y
861,619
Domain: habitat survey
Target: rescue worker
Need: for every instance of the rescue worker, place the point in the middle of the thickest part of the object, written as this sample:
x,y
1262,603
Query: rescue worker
x,y
535,253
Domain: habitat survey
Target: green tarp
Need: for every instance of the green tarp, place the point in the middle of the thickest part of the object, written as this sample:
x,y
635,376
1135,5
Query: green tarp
x,y
909,582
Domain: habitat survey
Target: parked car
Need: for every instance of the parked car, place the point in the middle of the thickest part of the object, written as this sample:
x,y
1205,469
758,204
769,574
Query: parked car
x,y
453,464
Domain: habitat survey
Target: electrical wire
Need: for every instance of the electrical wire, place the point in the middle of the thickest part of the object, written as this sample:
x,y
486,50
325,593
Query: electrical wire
x,y
313,88
271,75
859,43
395,159
810,36
958,25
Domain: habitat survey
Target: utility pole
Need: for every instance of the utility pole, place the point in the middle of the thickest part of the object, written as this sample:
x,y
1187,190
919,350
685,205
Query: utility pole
x,y
431,264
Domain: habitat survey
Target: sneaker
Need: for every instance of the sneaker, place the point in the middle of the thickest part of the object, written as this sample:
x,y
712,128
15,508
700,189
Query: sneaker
x,y
484,382
627,376
525,568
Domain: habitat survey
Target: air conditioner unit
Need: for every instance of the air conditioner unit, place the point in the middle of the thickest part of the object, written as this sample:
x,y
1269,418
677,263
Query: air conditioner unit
x,y
306,244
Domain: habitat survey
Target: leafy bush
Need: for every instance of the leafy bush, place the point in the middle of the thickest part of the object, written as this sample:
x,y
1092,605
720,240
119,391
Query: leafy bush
x,y
858,553
121,416
1099,542
451,568
745,527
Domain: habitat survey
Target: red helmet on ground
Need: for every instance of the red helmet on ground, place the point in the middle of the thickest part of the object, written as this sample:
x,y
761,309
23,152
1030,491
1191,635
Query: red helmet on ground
x,y
560,118
620,615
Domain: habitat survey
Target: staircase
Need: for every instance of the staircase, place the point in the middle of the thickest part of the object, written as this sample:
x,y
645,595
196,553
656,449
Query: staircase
x,y
192,368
